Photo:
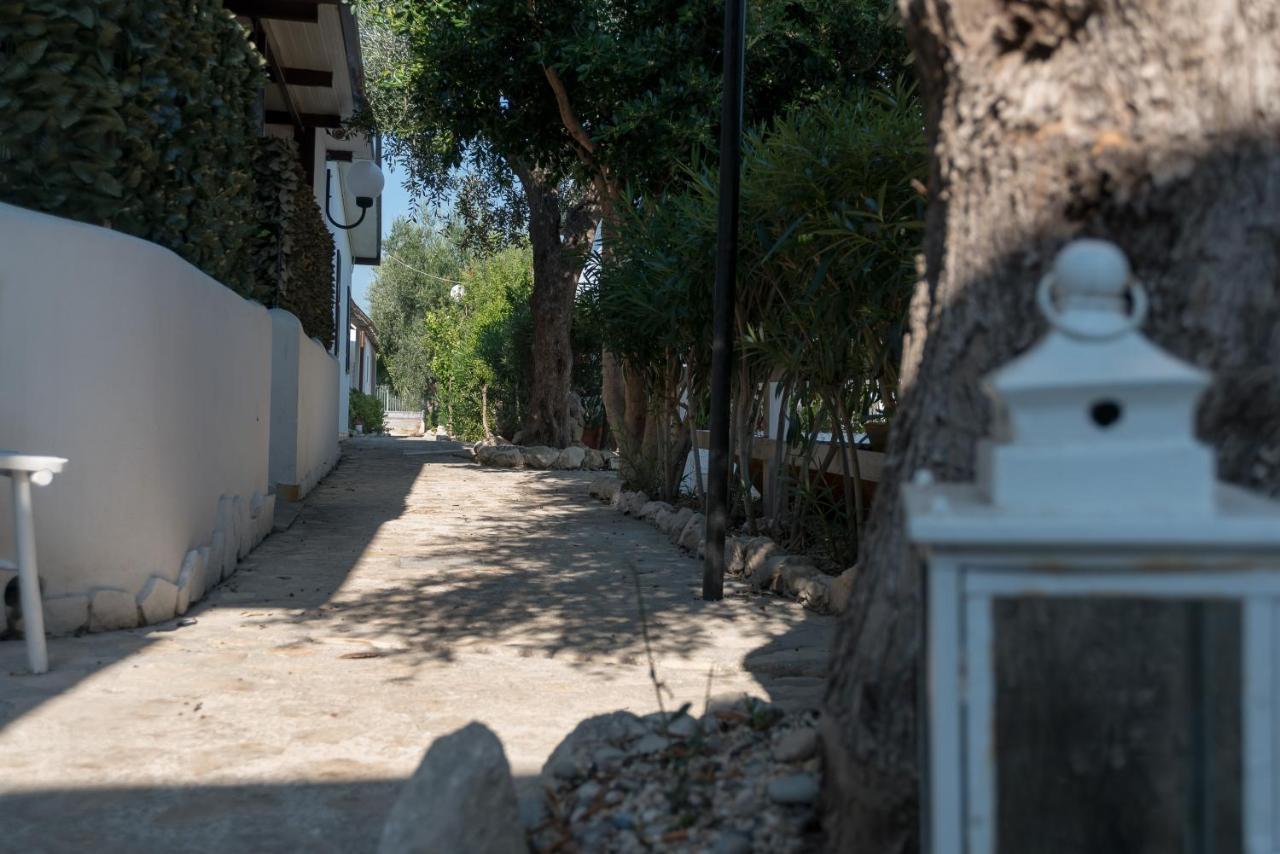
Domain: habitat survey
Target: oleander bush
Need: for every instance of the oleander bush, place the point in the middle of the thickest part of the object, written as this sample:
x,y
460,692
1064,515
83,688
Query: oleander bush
x,y
138,115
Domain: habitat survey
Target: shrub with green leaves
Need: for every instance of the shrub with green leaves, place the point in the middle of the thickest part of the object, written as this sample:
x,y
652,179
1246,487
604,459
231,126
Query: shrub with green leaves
x,y
292,250
138,115
831,217
365,410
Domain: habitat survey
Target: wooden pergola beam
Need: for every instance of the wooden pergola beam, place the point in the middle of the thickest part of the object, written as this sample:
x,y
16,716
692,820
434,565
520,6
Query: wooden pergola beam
x,y
301,11
301,76
310,120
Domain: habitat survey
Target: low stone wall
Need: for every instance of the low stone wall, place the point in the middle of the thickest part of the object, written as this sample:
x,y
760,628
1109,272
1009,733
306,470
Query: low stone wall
x,y
499,453
758,560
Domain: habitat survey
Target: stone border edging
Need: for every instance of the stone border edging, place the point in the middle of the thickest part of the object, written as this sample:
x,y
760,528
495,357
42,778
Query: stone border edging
x,y
758,560
499,453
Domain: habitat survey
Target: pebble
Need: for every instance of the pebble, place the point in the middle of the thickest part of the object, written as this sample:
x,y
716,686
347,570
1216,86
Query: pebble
x,y
796,746
608,759
729,793
793,789
650,744
682,727
733,843
565,769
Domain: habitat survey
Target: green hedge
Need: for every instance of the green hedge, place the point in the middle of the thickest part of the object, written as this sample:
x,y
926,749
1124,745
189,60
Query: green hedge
x,y
292,249
139,115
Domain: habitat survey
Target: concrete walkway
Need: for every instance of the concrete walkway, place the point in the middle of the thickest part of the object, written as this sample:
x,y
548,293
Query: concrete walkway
x,y
414,593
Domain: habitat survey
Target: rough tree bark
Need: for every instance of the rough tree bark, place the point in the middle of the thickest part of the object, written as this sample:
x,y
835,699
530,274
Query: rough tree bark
x,y
1154,123
557,238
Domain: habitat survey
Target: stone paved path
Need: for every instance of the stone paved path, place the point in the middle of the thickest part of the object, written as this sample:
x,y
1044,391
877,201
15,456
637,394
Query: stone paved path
x,y
415,592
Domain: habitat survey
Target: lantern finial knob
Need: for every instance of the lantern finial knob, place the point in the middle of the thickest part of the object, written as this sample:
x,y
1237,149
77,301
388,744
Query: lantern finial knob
x,y
1084,294
1092,268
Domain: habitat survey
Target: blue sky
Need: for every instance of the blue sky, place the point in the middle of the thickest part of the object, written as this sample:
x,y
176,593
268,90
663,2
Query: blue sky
x,y
395,204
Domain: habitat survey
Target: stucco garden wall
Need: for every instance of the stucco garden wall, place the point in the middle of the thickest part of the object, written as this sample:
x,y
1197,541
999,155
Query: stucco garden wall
x,y
152,379
304,395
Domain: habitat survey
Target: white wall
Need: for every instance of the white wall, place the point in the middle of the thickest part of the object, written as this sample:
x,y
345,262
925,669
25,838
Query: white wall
x,y
304,394
152,379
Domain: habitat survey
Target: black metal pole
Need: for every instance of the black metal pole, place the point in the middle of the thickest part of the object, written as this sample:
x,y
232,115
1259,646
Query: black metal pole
x,y
735,20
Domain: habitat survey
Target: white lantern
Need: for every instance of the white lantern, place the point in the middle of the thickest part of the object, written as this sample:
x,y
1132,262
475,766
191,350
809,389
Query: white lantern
x,y
1092,484
365,182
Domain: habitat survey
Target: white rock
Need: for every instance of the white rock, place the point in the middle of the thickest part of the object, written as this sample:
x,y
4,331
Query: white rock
x,y
540,457
240,526
682,727
735,555
571,458
112,609
793,789
66,615
266,518
461,799
605,488
635,501
593,460
796,746
759,551
206,579
676,522
158,600
215,561
650,744
651,508
573,756
814,592
842,590
190,582
693,533
506,457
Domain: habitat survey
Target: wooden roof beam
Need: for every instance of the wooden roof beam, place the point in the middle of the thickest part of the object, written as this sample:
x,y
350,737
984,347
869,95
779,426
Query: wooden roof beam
x,y
302,11
312,120
302,76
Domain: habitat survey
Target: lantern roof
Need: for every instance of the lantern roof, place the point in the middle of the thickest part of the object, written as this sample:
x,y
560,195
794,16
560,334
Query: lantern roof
x,y
1093,430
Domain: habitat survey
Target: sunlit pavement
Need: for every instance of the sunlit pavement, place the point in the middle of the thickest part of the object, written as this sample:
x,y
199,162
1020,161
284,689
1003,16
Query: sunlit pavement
x,y
416,592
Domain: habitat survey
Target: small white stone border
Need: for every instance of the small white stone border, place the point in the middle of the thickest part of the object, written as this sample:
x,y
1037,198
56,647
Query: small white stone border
x,y
237,530
756,560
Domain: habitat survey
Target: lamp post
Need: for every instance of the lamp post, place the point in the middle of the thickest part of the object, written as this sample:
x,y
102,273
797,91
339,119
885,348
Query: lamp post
x,y
1092,485
364,181
735,21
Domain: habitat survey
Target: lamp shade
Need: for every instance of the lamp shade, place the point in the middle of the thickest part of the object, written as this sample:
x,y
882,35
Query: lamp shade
x,y
364,179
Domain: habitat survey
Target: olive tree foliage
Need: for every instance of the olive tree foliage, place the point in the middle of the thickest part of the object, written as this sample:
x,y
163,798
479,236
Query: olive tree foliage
x,y
459,90
420,265
476,346
618,95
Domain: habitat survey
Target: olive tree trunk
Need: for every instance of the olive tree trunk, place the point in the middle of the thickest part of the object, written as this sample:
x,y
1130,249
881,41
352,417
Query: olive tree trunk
x,y
556,237
1153,123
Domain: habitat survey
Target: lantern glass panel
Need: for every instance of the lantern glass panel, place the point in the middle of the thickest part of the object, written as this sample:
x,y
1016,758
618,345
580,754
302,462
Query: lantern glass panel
x,y
1096,754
